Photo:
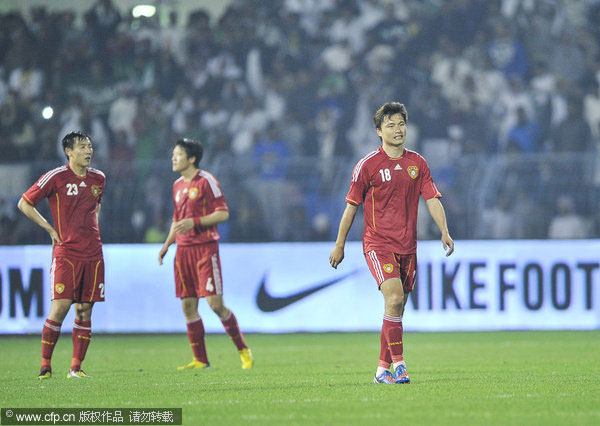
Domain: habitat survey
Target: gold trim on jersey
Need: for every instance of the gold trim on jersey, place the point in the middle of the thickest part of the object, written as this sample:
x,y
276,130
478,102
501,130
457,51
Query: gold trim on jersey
x,y
181,276
58,217
95,279
373,201
26,198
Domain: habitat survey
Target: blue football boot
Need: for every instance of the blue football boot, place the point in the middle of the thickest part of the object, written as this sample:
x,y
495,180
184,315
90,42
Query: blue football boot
x,y
385,377
401,375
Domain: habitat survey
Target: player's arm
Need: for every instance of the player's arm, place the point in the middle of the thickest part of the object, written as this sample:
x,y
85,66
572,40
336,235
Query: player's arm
x,y
33,214
439,217
170,240
337,254
98,212
214,218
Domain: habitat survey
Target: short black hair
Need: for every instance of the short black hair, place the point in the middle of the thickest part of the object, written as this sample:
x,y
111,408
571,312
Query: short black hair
x,y
69,140
192,148
387,110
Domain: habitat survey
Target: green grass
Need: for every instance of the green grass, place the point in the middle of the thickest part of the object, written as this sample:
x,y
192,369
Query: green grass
x,y
458,378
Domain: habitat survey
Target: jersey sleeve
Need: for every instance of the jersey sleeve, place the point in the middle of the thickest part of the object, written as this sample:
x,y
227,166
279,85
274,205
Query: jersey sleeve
x,y
428,188
43,188
359,184
214,195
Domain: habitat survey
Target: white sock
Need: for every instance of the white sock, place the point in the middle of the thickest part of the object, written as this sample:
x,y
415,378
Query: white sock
x,y
396,364
380,371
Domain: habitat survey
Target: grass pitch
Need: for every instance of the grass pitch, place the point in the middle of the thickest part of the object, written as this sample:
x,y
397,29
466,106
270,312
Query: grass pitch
x,y
458,378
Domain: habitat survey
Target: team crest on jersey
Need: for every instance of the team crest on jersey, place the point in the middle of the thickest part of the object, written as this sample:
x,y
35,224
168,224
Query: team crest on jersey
x,y
59,288
95,190
193,193
388,267
413,171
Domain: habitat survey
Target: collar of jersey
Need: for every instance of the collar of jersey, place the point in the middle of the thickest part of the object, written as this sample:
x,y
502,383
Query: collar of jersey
x,y
392,158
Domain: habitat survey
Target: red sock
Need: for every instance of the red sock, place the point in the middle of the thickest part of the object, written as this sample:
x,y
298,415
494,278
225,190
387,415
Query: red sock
x,y
392,328
196,336
385,357
82,334
50,334
232,328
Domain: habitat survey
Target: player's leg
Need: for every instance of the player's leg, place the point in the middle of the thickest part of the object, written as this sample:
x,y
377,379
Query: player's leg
x,y
62,274
195,332
210,285
90,289
82,335
393,294
407,264
186,276
50,333
382,374
385,269
232,328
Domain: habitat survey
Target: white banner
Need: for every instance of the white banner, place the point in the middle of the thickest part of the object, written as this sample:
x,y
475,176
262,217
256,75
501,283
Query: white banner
x,y
485,285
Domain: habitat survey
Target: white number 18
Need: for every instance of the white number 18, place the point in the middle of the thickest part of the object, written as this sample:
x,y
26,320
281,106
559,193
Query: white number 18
x,y
385,175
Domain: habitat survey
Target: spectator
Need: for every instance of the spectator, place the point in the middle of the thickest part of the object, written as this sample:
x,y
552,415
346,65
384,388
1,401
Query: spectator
x,y
525,135
567,223
574,133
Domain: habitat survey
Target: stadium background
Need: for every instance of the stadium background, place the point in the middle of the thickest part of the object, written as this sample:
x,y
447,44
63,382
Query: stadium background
x,y
503,100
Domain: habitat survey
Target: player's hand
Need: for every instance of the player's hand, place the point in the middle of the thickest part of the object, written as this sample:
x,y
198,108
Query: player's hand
x,y
161,254
448,244
183,226
54,235
336,256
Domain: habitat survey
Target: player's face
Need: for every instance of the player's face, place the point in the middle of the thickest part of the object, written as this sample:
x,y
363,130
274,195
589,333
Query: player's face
x,y
180,160
393,130
81,153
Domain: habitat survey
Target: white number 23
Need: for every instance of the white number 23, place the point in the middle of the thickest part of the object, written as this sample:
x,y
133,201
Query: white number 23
x,y
72,189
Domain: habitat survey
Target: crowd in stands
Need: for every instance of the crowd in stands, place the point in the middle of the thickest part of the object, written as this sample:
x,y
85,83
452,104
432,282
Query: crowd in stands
x,y
282,94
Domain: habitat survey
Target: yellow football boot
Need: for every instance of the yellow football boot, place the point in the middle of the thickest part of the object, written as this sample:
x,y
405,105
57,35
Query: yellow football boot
x,y
246,358
194,365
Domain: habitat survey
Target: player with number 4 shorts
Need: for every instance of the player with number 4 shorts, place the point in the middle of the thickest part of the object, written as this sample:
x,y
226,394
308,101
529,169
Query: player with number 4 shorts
x,y
199,205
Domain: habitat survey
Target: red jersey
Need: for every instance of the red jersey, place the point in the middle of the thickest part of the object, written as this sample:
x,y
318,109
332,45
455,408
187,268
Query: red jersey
x,y
199,197
74,202
389,189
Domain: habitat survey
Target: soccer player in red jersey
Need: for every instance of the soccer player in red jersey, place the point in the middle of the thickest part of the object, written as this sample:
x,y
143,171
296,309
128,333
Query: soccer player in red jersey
x,y
199,206
388,183
74,192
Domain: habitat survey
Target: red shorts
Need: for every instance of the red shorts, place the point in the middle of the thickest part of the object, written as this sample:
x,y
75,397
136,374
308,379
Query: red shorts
x,y
78,280
198,270
386,265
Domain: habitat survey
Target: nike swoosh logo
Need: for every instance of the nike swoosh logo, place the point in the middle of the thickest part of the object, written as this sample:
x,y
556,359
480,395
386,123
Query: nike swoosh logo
x,y
268,303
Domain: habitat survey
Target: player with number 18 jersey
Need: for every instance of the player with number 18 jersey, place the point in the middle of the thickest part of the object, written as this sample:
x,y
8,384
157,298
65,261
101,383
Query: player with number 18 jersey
x,y
388,182
389,189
